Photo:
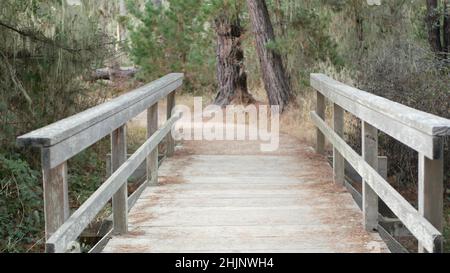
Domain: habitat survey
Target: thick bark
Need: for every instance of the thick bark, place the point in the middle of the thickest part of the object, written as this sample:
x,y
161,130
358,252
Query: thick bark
x,y
274,75
434,26
231,75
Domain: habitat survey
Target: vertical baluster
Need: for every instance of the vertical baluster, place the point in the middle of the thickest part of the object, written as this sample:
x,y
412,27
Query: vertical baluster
x,y
152,159
370,155
338,159
119,200
170,141
431,191
320,111
56,198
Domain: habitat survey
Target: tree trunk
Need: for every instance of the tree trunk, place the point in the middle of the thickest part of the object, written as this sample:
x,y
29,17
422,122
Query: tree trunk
x,y
231,75
447,26
434,26
112,73
359,21
121,29
274,76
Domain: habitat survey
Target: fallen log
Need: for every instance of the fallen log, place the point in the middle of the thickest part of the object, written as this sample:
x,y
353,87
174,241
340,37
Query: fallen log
x,y
113,73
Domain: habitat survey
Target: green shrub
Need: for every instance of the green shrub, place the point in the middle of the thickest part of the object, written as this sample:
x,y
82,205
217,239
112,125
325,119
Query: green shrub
x,y
21,214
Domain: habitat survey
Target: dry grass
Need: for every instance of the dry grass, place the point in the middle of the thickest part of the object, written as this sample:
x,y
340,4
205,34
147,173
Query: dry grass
x,y
296,121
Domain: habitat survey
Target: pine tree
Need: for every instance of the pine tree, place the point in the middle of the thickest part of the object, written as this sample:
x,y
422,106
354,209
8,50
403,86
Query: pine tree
x,y
231,74
274,75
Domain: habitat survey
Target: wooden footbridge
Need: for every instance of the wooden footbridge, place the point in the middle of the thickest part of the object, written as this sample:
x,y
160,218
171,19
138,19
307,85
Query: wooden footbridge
x,y
224,196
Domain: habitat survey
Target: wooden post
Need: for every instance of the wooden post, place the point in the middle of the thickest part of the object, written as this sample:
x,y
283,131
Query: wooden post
x,y
431,192
152,159
120,198
56,198
338,159
170,141
320,111
370,155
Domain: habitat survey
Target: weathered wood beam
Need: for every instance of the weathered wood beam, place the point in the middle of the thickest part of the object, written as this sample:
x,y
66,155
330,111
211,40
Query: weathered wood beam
x,y
56,198
119,199
320,111
152,159
338,160
431,192
169,140
369,196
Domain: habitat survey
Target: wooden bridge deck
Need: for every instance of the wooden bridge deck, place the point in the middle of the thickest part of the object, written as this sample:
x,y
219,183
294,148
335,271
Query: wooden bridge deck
x,y
229,197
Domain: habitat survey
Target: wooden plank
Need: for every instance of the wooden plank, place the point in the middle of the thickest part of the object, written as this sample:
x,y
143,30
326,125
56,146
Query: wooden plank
x,y
207,165
426,233
239,238
71,126
418,130
119,199
320,110
338,160
369,197
431,192
291,201
76,223
152,159
56,198
169,140
227,217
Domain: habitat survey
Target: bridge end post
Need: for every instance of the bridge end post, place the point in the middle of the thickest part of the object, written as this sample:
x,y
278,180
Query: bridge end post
x,y
369,196
120,198
431,192
320,111
152,159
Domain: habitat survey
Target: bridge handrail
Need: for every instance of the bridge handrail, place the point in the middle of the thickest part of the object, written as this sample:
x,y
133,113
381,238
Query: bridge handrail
x,y
64,139
421,131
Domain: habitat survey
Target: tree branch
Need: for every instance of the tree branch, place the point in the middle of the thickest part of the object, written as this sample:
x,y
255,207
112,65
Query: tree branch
x,y
51,42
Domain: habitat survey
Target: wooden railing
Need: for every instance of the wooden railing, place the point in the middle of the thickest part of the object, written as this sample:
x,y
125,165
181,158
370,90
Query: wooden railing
x,y
419,130
64,139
